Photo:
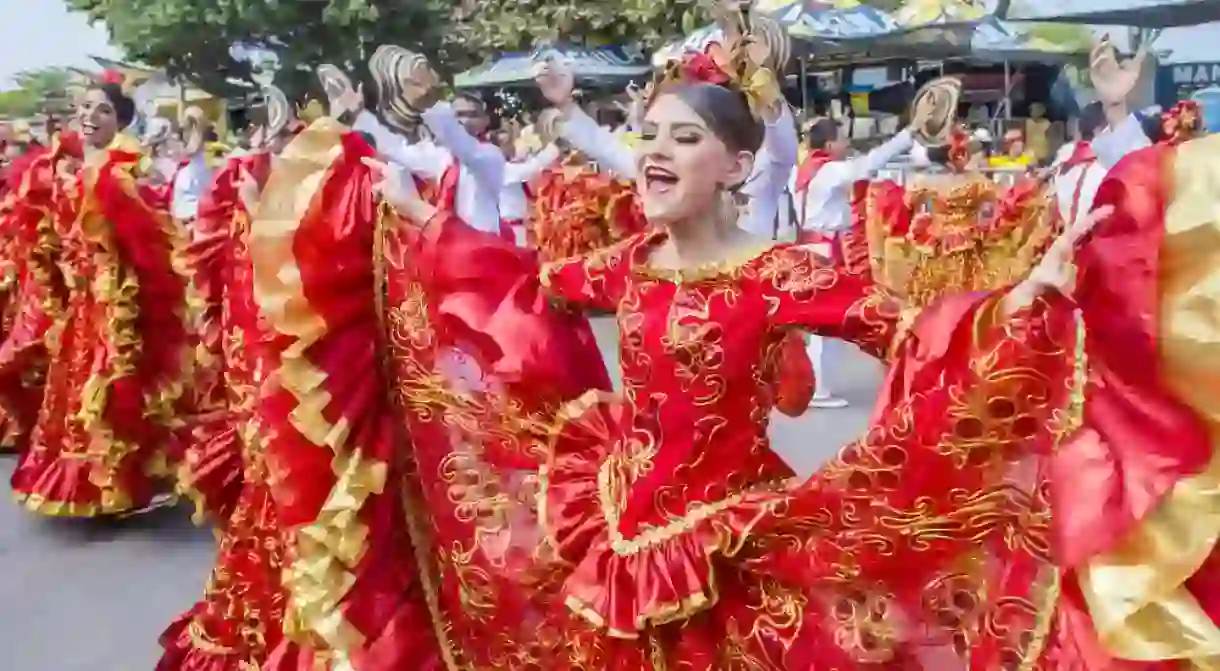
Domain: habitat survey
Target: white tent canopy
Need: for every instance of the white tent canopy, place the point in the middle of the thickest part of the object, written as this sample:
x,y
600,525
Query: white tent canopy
x,y
1146,14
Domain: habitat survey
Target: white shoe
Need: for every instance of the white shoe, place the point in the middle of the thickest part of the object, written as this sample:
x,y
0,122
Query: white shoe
x,y
828,402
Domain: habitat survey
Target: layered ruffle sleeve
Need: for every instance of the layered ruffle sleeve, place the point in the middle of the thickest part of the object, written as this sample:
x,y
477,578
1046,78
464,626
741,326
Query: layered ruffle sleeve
x,y
1137,489
218,413
339,461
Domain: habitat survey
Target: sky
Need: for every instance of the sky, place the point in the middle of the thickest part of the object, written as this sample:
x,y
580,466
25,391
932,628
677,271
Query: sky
x,y
41,33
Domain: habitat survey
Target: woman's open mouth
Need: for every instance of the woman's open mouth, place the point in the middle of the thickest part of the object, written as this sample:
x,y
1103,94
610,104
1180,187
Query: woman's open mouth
x,y
659,179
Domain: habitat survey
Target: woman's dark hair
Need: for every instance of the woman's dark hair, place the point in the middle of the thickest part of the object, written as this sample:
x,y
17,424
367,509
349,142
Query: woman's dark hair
x,y
1092,120
726,113
1151,123
822,132
124,107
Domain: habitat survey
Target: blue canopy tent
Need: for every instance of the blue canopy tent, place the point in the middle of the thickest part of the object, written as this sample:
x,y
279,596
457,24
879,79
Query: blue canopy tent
x,y
591,66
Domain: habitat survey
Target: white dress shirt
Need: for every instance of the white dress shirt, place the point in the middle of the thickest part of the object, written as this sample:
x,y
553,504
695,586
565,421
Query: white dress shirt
x,y
1110,146
480,165
514,206
764,187
825,206
190,181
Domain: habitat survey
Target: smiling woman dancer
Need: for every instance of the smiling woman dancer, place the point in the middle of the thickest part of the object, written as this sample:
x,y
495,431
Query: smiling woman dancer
x,y
422,360
119,340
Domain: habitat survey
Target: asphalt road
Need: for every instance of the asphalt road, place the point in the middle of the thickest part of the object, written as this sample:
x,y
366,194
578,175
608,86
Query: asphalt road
x,y
94,596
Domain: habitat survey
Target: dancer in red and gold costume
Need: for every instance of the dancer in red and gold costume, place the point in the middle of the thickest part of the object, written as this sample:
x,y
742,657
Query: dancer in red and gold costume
x,y
560,529
241,617
315,566
579,209
1137,490
119,343
24,311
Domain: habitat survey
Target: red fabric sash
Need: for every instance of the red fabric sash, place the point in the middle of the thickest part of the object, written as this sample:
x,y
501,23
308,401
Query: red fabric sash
x,y
1081,156
447,190
810,167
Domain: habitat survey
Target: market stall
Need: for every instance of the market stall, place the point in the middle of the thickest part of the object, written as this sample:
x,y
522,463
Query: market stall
x,y
600,66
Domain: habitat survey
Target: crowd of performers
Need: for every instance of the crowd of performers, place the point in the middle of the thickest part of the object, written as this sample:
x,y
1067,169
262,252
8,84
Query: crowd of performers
x,y
393,409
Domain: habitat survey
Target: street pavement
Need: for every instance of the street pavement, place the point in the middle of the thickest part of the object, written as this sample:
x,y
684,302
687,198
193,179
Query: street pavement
x,y
82,595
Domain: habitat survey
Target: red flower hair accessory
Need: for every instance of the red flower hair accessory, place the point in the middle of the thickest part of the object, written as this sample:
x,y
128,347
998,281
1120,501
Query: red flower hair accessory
x,y
699,66
113,77
959,149
1181,123
729,66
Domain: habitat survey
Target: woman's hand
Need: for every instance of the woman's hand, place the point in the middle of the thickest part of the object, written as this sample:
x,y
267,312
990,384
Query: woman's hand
x,y
397,188
1055,272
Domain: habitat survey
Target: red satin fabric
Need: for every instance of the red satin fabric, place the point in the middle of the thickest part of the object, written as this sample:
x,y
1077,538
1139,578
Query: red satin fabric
x,y
1139,440
685,394
334,249
28,278
240,620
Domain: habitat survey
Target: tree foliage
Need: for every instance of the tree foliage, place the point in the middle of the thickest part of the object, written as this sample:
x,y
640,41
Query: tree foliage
x,y
35,91
18,103
489,26
194,38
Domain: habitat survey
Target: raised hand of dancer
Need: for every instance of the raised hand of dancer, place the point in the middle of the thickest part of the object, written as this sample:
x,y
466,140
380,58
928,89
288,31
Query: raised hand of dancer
x,y
397,188
1113,80
1055,272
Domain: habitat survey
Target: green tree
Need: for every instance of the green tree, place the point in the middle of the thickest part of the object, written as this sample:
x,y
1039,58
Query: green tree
x,y
17,103
193,38
490,26
35,91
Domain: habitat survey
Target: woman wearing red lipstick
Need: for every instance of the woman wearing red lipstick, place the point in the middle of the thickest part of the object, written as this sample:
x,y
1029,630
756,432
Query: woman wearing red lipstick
x,y
554,525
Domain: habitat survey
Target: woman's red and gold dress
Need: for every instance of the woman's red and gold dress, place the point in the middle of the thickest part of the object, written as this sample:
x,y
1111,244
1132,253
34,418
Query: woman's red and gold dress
x,y
120,347
334,461
557,529
27,269
240,619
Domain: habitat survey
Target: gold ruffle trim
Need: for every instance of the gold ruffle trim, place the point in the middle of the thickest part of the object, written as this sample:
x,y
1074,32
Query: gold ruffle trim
x,y
1136,593
328,550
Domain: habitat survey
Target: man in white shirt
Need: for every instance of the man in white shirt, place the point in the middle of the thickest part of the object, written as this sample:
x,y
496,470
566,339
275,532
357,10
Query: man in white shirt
x,y
821,191
470,171
1108,132
514,201
1078,174
193,175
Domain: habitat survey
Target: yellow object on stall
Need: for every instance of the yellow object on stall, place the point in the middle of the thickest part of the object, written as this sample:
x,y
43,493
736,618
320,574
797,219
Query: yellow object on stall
x,y
859,102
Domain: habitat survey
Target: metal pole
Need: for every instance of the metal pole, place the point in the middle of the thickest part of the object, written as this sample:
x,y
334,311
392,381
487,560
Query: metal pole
x,y
1007,91
804,87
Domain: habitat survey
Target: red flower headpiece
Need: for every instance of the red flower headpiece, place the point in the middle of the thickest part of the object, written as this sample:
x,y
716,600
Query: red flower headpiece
x,y
1181,123
113,77
699,66
720,65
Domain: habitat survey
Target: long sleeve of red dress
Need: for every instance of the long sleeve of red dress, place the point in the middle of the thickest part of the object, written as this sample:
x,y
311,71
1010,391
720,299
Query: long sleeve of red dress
x,y
648,495
432,424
